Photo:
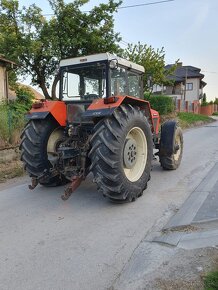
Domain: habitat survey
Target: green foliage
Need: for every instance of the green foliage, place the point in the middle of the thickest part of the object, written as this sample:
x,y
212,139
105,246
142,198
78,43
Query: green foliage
x,y
215,114
4,121
12,114
163,104
11,120
211,281
38,43
204,101
216,101
153,61
24,97
203,104
191,118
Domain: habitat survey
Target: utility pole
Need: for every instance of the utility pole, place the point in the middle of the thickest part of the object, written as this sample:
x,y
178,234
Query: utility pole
x,y
185,82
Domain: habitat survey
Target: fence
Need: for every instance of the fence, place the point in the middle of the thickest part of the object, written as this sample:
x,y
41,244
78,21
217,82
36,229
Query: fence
x,y
195,107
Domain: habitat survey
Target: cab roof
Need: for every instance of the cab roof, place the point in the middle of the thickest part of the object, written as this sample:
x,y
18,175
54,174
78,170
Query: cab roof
x,y
101,57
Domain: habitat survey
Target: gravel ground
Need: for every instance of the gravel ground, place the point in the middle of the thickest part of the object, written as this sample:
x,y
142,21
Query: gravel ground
x,y
184,270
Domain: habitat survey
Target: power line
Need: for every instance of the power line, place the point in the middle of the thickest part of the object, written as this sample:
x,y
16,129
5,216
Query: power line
x,y
129,6
145,4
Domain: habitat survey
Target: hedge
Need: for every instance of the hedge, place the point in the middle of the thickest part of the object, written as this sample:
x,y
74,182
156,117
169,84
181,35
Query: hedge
x,y
163,104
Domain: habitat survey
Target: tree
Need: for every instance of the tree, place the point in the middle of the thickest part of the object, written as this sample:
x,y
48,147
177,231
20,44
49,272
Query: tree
x,y
204,99
38,44
153,61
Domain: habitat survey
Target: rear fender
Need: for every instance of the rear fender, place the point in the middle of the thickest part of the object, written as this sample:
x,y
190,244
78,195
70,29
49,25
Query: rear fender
x,y
55,108
99,109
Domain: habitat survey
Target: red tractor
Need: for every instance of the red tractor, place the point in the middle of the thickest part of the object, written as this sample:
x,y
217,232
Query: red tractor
x,y
101,125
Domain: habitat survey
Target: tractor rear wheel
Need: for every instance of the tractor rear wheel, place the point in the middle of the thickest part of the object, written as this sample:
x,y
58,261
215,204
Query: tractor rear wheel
x,y
38,138
121,154
171,145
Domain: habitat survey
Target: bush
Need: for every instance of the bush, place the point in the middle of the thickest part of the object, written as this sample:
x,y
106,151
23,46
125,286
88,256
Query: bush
x,y
163,104
4,128
24,97
11,123
204,104
12,116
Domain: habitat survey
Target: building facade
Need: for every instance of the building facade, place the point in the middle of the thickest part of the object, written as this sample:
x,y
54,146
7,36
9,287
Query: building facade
x,y
5,65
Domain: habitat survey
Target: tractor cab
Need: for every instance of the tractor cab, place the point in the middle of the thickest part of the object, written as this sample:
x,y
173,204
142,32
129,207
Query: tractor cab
x,y
99,76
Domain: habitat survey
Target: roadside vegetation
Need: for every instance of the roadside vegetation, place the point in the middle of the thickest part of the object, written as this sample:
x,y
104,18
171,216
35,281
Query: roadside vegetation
x,y
166,108
211,281
12,117
187,120
12,121
163,104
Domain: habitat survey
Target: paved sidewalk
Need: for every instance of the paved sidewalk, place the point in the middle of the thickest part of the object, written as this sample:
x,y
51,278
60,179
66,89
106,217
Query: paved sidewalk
x,y
195,225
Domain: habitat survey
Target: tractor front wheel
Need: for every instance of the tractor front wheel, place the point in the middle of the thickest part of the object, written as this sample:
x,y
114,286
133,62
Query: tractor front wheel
x,y
121,154
171,145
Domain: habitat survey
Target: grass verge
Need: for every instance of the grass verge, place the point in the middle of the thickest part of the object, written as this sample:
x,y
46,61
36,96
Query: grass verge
x,y
187,120
211,281
215,114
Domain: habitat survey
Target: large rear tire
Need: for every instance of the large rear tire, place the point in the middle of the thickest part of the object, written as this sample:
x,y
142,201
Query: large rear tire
x,y
34,149
121,154
171,145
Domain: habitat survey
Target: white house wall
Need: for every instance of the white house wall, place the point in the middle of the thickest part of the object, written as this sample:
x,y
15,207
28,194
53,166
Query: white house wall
x,y
193,94
3,93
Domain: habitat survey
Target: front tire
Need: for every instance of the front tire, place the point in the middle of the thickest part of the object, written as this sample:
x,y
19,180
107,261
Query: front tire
x,y
34,149
171,145
121,154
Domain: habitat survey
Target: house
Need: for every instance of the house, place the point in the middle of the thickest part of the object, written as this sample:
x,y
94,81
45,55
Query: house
x,y
5,66
187,84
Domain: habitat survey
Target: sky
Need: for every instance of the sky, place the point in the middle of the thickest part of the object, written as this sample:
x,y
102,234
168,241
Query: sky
x,y
187,29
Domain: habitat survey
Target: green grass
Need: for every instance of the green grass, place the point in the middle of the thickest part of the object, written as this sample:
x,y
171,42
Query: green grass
x,y
211,281
11,124
4,128
215,114
189,119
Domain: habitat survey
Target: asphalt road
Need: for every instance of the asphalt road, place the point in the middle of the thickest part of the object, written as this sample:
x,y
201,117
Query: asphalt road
x,y
85,242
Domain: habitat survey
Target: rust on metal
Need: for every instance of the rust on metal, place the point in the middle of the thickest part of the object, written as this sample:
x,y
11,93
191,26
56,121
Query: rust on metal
x,y
34,183
75,182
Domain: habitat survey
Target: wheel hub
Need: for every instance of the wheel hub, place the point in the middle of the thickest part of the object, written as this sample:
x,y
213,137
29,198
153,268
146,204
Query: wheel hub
x,y
130,153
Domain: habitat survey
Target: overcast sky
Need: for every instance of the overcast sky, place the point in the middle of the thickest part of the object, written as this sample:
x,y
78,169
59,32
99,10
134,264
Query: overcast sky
x,y
187,29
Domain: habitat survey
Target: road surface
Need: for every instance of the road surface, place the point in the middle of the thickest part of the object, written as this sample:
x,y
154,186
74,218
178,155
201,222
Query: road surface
x,y
85,242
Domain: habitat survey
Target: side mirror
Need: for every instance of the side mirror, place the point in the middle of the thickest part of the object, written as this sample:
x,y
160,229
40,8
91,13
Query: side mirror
x,y
113,64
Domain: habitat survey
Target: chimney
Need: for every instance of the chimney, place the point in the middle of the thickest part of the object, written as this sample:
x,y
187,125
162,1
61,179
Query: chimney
x,y
179,64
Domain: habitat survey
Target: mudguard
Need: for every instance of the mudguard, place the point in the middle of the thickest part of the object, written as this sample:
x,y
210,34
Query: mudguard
x,y
99,109
56,108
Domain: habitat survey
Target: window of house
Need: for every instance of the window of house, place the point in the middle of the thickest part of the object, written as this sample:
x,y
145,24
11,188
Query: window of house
x,y
189,86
